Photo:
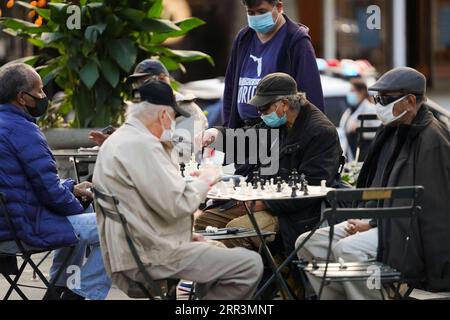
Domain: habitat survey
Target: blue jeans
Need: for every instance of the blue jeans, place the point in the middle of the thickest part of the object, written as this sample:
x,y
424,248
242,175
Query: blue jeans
x,y
94,283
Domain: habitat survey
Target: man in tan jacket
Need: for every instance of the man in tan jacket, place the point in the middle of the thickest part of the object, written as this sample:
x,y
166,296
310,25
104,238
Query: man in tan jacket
x,y
136,165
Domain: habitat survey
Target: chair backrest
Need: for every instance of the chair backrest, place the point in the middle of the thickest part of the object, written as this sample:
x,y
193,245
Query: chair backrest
x,y
380,196
113,214
363,129
4,211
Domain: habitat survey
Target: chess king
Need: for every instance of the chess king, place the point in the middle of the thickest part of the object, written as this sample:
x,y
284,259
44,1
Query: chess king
x,y
308,144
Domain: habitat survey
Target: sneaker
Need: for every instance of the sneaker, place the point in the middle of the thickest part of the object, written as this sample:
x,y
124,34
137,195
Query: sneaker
x,y
185,286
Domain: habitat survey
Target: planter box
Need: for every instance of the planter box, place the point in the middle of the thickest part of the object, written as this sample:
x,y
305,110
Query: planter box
x,y
59,139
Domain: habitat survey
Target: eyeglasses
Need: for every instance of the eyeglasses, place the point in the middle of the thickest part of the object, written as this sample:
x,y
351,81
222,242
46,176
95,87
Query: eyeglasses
x,y
386,100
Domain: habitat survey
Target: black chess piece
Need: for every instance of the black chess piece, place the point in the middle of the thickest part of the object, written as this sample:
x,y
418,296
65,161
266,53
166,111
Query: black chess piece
x,y
279,186
255,180
294,192
182,169
305,189
263,184
302,181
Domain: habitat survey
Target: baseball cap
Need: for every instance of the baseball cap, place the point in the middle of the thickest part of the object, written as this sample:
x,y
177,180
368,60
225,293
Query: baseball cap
x,y
271,88
149,67
160,93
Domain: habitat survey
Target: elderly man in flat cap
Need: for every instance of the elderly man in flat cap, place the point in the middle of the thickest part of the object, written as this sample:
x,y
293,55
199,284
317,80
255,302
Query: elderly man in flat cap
x,y
412,149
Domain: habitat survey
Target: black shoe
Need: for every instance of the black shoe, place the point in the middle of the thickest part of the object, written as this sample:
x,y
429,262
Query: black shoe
x,y
70,295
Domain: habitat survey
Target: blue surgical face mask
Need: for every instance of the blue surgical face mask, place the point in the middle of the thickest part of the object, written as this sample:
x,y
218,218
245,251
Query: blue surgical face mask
x,y
352,99
273,120
262,23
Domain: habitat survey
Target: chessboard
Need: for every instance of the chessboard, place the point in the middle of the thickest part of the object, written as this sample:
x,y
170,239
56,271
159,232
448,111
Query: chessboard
x,y
268,190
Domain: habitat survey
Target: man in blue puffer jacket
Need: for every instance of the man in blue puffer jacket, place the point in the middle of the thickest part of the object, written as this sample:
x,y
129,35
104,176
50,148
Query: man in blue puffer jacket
x,y
45,210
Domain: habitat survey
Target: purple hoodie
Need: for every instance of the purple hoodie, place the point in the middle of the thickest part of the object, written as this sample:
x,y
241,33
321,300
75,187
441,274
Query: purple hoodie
x,y
297,58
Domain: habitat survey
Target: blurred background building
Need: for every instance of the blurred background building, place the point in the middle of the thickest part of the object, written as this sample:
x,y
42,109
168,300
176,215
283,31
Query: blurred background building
x,y
414,33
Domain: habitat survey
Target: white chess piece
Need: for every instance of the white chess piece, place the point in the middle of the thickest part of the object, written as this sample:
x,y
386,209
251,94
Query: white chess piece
x,y
323,186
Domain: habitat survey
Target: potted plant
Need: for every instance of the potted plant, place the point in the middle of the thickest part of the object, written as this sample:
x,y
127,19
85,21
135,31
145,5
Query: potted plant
x,y
89,47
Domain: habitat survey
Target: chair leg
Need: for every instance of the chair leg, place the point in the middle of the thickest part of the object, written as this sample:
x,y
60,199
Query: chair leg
x,y
16,279
15,287
51,293
40,262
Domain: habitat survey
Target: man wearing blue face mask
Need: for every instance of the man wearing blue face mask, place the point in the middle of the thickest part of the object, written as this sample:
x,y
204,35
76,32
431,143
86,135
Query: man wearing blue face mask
x,y
271,43
308,143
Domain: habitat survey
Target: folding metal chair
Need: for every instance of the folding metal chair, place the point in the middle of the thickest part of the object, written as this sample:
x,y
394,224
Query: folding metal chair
x,y
385,210
108,206
20,250
362,130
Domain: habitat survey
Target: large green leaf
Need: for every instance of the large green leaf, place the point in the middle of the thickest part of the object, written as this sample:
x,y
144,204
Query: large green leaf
x,y
188,56
156,10
89,74
184,25
50,73
131,14
93,32
158,25
31,60
22,25
44,13
111,72
124,53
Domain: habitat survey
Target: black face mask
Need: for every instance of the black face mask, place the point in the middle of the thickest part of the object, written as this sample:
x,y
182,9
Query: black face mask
x,y
41,106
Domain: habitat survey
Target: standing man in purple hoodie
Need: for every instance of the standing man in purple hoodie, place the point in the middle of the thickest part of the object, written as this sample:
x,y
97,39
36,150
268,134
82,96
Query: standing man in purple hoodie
x,y
271,43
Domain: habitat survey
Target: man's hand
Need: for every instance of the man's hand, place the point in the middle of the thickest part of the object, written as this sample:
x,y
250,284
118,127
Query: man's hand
x,y
80,191
98,137
197,214
198,238
206,138
210,174
355,226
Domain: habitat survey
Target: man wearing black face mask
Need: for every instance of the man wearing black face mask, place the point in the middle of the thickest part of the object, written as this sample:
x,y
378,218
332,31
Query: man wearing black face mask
x,y
45,210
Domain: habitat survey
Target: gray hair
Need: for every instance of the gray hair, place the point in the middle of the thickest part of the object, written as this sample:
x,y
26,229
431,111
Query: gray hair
x,y
143,110
14,78
296,101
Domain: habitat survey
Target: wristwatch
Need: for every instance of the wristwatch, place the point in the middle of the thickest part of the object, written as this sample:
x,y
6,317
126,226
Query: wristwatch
x,y
373,223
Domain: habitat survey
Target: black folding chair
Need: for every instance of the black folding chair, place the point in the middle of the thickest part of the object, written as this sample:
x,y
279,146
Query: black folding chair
x,y
26,254
362,130
384,210
108,206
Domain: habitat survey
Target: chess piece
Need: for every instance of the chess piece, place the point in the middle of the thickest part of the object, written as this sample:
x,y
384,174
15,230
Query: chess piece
x,y
182,169
255,179
279,188
323,186
305,189
294,192
302,181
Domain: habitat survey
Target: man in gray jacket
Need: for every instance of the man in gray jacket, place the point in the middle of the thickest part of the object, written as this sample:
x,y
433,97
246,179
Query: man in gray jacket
x,y
136,165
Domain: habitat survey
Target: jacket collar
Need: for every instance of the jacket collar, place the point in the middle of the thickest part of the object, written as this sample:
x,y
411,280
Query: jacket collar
x,y
423,119
14,109
137,124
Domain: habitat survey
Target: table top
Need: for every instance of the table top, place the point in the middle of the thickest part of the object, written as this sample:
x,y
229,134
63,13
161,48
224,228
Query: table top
x,y
237,195
88,152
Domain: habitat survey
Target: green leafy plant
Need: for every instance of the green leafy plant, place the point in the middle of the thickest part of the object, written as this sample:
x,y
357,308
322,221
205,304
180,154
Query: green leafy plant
x,y
91,64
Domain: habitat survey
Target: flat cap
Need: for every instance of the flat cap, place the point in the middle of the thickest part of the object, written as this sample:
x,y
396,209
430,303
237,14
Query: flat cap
x,y
404,80
271,87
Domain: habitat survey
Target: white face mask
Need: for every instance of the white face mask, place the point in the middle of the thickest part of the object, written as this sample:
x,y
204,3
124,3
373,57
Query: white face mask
x,y
168,134
386,113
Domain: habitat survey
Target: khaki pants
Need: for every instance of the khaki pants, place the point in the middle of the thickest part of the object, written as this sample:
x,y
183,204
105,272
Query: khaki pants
x,y
219,273
237,218
360,247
